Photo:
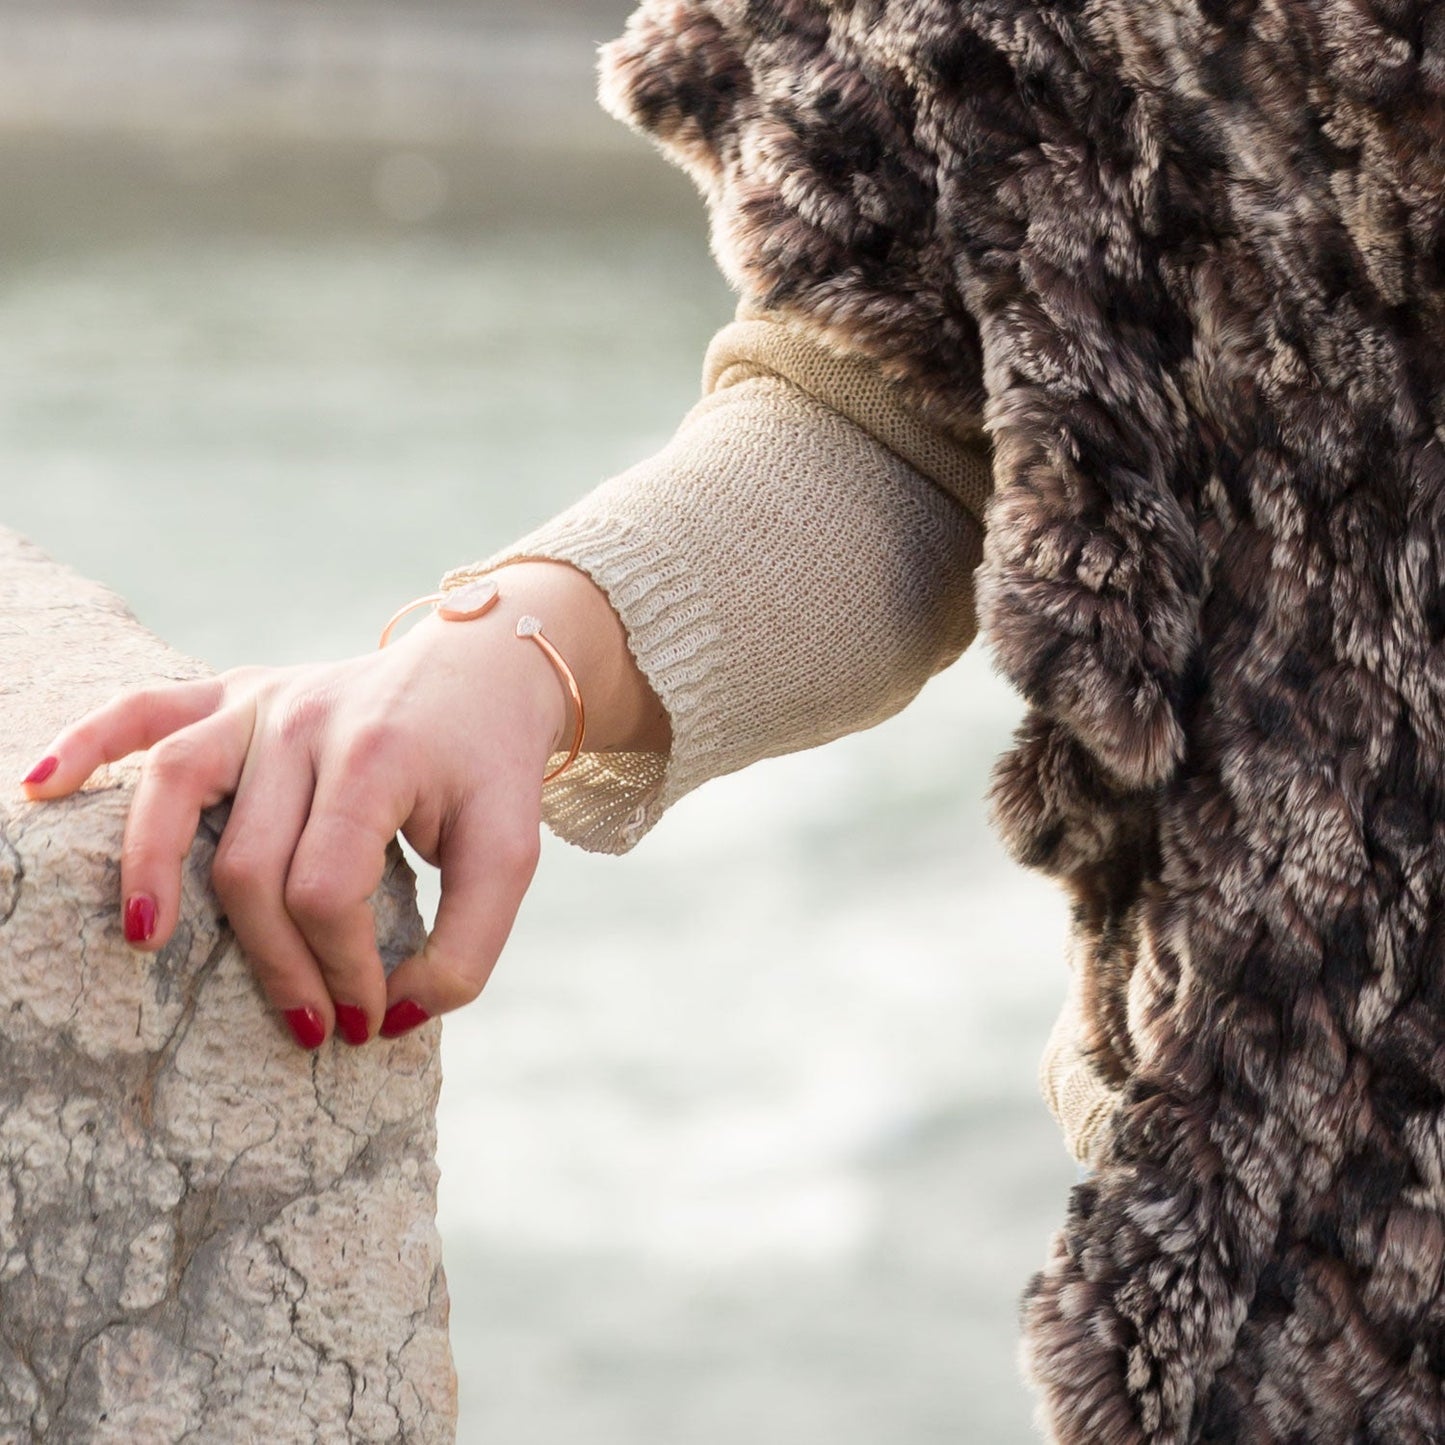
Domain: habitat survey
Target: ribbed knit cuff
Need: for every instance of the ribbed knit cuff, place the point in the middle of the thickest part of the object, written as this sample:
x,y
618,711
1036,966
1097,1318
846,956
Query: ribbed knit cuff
x,y
605,802
1077,1096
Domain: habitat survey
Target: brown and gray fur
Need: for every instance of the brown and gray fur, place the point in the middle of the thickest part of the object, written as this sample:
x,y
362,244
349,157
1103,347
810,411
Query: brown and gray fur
x,y
1187,257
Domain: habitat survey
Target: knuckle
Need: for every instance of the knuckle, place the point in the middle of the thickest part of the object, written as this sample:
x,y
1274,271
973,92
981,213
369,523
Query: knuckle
x,y
175,760
136,708
242,678
467,989
312,894
143,702
459,982
235,870
370,744
516,854
301,715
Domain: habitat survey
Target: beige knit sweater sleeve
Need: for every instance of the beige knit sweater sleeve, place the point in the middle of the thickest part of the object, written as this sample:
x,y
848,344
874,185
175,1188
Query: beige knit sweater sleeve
x,y
792,566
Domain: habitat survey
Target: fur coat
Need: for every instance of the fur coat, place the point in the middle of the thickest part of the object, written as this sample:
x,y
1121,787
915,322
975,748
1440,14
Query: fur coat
x,y
1187,258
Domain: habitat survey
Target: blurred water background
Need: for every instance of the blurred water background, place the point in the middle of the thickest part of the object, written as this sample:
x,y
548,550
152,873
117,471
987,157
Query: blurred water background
x,y
303,303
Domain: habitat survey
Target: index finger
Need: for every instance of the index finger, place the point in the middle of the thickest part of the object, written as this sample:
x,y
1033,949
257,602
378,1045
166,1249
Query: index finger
x,y
128,723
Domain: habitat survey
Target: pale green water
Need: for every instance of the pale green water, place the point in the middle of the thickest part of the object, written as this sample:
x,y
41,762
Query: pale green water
x,y
743,1137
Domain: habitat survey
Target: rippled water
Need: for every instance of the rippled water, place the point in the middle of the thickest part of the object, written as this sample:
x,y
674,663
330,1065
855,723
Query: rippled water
x,y
743,1136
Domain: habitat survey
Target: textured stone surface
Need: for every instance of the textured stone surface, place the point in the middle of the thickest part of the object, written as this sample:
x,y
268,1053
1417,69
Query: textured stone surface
x,y
205,1234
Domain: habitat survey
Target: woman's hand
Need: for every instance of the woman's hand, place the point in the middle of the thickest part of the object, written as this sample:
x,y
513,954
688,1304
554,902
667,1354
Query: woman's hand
x,y
443,736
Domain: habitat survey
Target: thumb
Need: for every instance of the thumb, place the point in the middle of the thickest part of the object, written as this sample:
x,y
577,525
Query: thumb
x,y
487,863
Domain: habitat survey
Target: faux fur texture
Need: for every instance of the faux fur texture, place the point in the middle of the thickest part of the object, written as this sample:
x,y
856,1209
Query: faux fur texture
x,y
1187,256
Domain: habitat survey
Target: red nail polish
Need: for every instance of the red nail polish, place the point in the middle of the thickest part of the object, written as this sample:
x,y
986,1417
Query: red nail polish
x,y
306,1026
139,918
351,1023
42,770
402,1017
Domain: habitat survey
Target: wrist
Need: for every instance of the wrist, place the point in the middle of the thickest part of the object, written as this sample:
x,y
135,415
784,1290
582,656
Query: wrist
x,y
485,666
623,713
585,639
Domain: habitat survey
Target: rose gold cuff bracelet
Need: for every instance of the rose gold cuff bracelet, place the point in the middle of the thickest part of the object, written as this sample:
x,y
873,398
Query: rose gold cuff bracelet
x,y
470,601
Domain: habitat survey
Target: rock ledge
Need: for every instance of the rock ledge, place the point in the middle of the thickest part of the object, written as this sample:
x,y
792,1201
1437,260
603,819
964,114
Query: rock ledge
x,y
205,1234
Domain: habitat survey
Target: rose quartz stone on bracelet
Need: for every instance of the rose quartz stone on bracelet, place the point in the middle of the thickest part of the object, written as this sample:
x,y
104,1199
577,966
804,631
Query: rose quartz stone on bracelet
x,y
469,600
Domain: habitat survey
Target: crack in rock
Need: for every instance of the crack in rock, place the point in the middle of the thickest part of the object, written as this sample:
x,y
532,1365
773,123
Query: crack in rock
x,y
12,876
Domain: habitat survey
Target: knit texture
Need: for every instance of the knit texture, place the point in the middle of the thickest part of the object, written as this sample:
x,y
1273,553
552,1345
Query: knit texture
x,y
1187,258
855,387
783,577
1077,1095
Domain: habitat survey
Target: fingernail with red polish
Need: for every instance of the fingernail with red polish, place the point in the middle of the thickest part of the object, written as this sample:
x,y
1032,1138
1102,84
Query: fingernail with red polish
x,y
42,770
351,1023
305,1024
402,1017
139,919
